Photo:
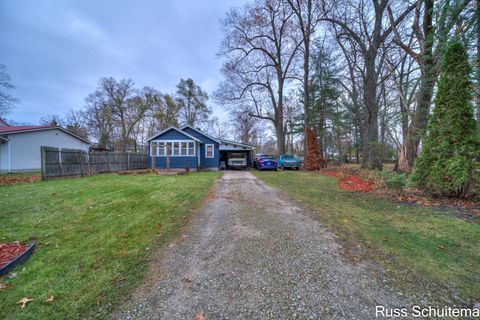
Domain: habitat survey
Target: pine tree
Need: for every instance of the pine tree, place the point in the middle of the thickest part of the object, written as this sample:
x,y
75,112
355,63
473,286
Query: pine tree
x,y
447,164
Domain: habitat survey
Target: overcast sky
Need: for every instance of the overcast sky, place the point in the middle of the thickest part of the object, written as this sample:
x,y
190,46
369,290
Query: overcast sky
x,y
56,51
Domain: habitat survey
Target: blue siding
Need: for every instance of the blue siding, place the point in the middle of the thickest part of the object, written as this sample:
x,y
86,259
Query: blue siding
x,y
176,162
206,162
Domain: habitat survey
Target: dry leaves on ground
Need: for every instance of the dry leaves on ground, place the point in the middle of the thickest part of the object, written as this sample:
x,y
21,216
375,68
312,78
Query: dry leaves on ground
x,y
24,302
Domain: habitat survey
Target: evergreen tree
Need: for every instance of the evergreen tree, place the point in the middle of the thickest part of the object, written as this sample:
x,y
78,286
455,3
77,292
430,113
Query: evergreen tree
x,y
447,164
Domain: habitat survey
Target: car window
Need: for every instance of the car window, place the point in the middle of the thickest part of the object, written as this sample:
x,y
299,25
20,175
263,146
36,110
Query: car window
x,y
288,157
267,158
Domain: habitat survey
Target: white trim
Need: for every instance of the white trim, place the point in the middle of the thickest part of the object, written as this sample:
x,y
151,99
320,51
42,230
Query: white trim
x,y
206,150
152,142
176,129
202,133
9,157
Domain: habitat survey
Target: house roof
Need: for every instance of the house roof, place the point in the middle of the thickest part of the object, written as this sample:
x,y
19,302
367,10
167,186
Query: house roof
x,y
21,129
176,129
224,141
202,133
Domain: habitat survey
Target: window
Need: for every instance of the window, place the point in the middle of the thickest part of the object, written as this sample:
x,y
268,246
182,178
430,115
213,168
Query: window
x,y
183,148
161,149
209,151
191,148
176,149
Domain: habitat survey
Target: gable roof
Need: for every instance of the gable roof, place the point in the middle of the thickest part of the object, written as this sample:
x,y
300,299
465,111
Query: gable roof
x,y
21,129
176,129
202,133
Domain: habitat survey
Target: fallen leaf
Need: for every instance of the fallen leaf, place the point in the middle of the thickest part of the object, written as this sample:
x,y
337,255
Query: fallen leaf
x,y
187,279
4,286
49,299
13,275
200,316
441,247
24,302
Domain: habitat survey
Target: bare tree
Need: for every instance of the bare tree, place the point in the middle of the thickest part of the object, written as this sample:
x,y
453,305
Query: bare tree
x,y
432,26
192,102
243,123
6,99
307,13
75,121
52,120
361,26
261,44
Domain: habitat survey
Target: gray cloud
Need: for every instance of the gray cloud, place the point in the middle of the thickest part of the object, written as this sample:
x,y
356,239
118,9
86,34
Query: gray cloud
x,y
56,51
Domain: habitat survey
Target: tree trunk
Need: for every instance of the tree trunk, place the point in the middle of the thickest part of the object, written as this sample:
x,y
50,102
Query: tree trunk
x,y
371,151
424,99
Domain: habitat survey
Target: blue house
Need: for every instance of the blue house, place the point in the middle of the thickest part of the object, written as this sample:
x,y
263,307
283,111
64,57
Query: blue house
x,y
191,148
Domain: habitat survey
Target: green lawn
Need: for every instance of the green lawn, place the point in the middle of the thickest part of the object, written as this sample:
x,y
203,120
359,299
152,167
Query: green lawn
x,y
413,242
94,238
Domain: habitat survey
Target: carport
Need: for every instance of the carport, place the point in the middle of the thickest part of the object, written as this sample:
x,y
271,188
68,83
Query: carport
x,y
229,148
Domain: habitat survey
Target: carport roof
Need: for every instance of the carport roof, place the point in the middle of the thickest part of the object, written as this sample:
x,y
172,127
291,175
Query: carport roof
x,y
243,145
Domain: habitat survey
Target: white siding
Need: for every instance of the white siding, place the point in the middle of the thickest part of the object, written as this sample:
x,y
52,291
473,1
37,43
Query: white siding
x,y
24,148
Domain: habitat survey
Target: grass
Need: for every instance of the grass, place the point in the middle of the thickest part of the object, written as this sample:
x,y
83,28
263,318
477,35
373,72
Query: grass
x,y
94,238
409,240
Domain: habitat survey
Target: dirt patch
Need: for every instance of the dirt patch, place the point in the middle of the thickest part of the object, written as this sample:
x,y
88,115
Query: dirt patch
x,y
11,180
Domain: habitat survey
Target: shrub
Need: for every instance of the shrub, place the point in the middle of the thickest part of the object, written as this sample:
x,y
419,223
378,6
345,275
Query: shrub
x,y
394,180
447,164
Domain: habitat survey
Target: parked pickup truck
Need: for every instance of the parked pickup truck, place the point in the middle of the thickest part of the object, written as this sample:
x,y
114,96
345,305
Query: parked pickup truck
x,y
237,162
289,161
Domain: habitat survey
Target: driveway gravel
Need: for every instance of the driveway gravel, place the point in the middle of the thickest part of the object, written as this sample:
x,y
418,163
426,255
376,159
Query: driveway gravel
x,y
253,253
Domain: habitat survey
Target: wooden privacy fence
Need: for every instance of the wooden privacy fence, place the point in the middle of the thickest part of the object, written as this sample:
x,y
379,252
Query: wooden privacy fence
x,y
71,162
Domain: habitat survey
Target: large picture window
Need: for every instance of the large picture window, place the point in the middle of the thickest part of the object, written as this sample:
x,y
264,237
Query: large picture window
x,y
209,151
175,148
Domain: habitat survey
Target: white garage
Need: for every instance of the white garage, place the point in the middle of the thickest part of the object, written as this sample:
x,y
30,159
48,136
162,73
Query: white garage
x,y
20,145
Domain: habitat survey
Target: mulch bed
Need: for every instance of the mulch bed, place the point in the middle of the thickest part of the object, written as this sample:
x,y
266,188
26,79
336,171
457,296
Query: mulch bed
x,y
349,181
10,180
361,180
9,251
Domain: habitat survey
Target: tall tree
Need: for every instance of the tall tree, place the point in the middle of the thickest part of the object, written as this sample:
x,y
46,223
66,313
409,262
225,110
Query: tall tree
x,y
99,121
362,26
433,24
193,103
75,122
261,44
307,13
447,164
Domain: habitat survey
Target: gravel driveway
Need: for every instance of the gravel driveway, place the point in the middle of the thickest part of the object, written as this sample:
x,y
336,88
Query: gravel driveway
x,y
252,253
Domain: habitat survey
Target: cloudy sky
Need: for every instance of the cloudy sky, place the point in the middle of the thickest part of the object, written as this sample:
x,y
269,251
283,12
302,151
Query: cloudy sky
x,y
55,51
